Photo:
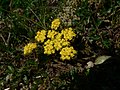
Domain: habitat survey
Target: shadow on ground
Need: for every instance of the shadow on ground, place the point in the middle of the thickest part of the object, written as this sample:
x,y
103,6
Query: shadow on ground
x,y
102,77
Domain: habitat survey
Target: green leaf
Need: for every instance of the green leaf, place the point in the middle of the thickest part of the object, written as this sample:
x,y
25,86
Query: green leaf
x,y
11,69
101,59
106,43
87,71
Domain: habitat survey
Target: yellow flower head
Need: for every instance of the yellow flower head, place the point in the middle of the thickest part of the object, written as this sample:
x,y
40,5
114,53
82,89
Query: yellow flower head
x,y
29,47
68,34
57,44
58,36
40,37
51,34
67,53
64,42
48,47
48,42
55,24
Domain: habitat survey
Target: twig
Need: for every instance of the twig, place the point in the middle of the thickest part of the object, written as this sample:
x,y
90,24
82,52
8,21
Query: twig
x,y
8,39
3,39
34,14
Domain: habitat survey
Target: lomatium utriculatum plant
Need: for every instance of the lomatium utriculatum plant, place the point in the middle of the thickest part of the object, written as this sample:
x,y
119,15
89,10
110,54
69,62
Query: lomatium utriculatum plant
x,y
53,41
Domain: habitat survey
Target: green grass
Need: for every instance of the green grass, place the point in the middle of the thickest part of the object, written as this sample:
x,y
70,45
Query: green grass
x,y
98,33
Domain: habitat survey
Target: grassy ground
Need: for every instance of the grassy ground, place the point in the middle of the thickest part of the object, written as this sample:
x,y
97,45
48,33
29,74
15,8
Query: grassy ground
x,y
96,22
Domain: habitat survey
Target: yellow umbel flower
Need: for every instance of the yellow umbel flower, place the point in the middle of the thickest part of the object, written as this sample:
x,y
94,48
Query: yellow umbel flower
x,y
68,34
29,47
40,37
58,36
48,42
67,53
55,24
65,43
51,34
48,47
57,44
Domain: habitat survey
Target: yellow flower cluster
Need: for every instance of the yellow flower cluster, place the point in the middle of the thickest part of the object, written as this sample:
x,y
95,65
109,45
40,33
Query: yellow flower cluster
x,y
68,34
51,34
59,43
29,47
67,53
40,37
55,24
54,44
54,41
48,47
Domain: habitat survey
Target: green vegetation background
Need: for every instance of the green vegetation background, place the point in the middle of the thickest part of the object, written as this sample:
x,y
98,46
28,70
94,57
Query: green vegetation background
x,y
98,33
